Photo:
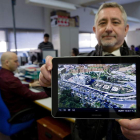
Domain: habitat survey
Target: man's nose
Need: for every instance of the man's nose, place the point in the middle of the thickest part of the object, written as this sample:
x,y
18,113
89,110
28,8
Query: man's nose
x,y
109,28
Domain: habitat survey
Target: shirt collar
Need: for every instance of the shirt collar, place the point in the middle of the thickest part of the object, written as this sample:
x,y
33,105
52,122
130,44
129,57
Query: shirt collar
x,y
116,52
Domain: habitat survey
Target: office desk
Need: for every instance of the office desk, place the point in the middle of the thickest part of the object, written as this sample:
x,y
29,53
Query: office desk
x,y
46,103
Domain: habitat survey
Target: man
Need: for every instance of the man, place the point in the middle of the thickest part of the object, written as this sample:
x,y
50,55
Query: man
x,y
45,44
110,28
16,95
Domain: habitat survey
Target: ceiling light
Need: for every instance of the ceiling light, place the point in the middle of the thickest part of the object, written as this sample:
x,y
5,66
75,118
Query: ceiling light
x,y
131,19
93,12
52,4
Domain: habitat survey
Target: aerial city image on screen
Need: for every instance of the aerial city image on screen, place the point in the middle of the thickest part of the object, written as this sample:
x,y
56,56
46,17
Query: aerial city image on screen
x,y
97,86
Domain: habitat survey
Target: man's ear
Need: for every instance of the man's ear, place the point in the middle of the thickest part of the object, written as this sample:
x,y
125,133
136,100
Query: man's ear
x,y
6,62
126,29
94,29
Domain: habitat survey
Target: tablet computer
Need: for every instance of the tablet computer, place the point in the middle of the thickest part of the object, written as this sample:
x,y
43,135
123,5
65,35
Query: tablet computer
x,y
96,87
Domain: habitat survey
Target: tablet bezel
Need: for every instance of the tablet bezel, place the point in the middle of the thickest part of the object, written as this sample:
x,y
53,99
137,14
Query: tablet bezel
x,y
93,60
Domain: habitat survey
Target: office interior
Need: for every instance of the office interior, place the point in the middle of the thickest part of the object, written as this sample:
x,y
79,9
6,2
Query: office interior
x,y
32,20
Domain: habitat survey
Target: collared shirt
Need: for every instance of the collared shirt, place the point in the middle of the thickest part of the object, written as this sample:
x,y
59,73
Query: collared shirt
x,y
16,95
116,52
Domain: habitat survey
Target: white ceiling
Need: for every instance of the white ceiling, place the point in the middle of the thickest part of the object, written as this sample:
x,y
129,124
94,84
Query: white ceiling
x,y
118,1
124,1
97,3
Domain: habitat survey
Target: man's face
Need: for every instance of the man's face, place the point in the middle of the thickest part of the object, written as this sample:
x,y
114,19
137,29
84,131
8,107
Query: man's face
x,y
110,29
46,39
13,63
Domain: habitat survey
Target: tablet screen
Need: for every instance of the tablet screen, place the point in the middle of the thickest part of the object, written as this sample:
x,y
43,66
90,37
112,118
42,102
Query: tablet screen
x,y
97,88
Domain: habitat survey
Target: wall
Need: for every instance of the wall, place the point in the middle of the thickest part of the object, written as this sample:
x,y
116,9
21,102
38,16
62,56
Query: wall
x,y
133,10
47,23
64,39
133,38
27,16
86,20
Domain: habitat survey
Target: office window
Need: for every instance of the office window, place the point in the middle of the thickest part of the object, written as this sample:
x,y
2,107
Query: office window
x,y
3,44
94,41
84,40
87,42
26,40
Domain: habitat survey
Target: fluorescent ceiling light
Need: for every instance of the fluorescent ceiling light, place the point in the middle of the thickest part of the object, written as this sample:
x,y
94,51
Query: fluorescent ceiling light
x,y
52,4
93,12
131,19
85,2
92,2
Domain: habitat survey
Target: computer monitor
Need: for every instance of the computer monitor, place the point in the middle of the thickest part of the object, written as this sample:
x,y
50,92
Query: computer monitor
x,y
22,60
35,55
41,54
53,53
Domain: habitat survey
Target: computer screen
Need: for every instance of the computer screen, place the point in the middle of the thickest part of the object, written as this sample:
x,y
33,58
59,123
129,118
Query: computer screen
x,y
52,53
97,86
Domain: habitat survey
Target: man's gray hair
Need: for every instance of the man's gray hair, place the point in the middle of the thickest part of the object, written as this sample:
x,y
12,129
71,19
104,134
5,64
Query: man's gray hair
x,y
110,5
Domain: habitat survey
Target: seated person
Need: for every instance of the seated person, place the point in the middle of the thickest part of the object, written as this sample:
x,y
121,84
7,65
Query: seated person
x,y
75,52
16,95
132,50
137,50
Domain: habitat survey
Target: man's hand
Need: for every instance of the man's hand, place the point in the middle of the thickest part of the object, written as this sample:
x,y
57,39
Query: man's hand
x,y
130,128
45,74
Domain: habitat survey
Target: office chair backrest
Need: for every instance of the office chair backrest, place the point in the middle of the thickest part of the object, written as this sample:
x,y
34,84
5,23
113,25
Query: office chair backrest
x,y
9,128
4,116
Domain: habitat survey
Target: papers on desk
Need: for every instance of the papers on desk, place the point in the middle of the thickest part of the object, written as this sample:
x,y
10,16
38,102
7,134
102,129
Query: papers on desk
x,y
23,68
26,66
24,82
20,76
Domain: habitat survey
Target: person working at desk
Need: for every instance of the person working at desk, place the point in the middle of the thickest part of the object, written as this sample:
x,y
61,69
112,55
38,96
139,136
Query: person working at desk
x,y
45,44
75,52
16,95
110,28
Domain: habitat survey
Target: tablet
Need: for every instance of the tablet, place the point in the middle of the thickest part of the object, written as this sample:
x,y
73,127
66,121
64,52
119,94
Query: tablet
x,y
96,87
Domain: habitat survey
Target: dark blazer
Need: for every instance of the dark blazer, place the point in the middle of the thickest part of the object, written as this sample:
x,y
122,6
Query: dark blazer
x,y
96,129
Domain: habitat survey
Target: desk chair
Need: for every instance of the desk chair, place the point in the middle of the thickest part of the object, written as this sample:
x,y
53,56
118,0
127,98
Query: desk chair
x,y
7,123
